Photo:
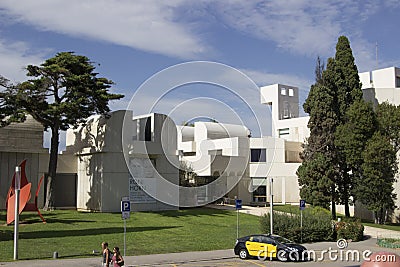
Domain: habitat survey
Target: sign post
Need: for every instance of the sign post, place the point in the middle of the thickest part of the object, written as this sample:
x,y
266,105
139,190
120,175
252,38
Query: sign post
x,y
271,204
17,187
238,206
125,210
302,207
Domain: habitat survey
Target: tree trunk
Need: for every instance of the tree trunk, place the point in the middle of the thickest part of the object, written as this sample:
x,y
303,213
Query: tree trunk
x,y
346,207
52,170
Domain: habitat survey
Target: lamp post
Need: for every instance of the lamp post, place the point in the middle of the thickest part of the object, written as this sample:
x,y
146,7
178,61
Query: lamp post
x,y
17,187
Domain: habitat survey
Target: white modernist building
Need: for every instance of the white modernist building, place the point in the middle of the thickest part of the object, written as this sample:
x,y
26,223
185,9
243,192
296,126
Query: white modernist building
x,y
139,156
106,170
227,153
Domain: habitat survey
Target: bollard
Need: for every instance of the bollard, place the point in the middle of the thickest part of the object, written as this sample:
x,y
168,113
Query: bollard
x,y
55,255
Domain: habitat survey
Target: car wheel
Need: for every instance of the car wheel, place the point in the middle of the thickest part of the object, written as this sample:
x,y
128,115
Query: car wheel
x,y
243,254
282,255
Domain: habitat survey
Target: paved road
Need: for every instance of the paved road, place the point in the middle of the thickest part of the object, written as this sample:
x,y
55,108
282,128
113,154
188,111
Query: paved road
x,y
221,258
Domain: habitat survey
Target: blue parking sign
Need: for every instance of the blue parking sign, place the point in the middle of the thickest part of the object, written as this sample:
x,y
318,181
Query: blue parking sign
x,y
302,204
238,204
125,206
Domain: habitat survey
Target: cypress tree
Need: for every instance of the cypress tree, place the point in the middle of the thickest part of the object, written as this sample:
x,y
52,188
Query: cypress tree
x,y
338,88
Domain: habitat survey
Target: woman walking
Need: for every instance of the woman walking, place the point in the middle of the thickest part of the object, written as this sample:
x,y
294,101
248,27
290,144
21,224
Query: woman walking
x,y
117,258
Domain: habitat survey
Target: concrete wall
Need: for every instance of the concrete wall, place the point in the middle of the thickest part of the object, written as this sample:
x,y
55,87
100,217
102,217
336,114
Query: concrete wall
x,y
20,141
103,173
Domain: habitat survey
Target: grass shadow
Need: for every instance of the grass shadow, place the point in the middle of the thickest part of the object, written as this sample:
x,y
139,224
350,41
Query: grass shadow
x,y
200,211
8,234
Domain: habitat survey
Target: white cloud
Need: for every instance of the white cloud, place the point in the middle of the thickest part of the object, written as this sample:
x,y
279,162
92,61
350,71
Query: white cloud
x,y
145,25
308,28
15,57
303,27
265,78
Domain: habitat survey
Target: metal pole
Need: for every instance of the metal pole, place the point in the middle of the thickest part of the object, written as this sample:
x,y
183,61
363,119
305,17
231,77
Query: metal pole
x,y
301,226
17,186
237,223
124,237
271,204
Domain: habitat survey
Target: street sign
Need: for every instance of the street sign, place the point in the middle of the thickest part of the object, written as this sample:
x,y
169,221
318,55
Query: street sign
x,y
302,204
238,204
125,206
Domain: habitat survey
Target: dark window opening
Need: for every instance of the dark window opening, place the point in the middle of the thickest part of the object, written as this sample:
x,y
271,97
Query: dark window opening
x,y
260,194
258,155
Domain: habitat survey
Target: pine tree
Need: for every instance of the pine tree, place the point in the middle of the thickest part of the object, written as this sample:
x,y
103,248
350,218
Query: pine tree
x,y
62,93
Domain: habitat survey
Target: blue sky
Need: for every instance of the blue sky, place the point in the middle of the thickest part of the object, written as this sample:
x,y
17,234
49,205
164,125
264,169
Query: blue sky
x,y
270,41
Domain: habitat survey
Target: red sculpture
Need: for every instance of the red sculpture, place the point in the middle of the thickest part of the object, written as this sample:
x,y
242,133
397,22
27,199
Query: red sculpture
x,y
25,195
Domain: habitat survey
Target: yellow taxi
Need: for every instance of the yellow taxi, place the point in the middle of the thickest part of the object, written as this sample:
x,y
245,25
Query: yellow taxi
x,y
269,246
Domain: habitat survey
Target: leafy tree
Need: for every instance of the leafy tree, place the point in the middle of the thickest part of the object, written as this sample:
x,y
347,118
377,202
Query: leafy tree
x,y
348,90
379,170
318,172
338,87
62,93
319,69
8,113
347,80
389,122
351,139
316,180
187,176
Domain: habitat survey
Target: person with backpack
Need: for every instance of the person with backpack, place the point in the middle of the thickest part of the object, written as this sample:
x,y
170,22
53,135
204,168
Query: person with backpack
x,y
117,258
107,254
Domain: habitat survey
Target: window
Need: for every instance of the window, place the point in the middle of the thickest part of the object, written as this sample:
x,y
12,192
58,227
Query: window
x,y
260,194
283,132
397,81
291,92
134,130
144,126
258,155
283,91
286,110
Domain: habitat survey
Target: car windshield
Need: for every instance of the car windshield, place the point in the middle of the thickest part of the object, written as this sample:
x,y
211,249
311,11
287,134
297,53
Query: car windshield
x,y
282,240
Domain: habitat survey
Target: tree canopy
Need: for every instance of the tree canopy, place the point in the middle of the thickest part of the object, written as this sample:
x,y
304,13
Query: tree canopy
x,y
379,169
61,93
335,90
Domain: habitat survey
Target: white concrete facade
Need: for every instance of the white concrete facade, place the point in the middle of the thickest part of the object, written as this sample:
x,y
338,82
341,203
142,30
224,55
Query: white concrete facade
x,y
104,177
220,151
229,151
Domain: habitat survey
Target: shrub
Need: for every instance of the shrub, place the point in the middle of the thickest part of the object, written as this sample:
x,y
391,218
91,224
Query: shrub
x,y
317,226
350,229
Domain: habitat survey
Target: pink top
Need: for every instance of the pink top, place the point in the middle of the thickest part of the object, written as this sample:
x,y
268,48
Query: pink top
x,y
114,260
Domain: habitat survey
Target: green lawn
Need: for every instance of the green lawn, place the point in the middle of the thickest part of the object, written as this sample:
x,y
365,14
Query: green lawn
x,y
77,234
287,208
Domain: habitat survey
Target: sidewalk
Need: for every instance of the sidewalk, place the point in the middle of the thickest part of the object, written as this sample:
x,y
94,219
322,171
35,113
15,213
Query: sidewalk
x,y
145,260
